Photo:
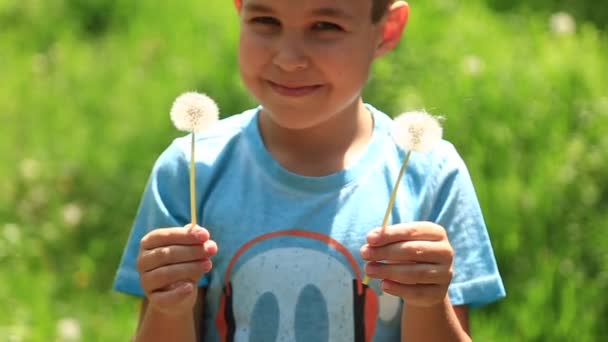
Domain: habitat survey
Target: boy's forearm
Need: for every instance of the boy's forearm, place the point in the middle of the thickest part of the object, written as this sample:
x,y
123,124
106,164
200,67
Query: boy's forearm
x,y
156,326
438,323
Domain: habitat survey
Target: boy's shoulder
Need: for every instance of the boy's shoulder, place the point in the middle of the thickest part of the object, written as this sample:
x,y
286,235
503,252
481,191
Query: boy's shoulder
x,y
442,161
229,126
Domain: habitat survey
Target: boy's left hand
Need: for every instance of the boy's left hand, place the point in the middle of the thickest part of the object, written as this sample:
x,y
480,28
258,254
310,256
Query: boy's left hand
x,y
414,260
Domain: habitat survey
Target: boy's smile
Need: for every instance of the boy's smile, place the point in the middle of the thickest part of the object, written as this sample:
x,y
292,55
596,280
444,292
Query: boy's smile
x,y
293,89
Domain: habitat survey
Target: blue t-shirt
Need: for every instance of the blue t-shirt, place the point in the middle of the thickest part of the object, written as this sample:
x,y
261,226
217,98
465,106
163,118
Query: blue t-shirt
x,y
288,266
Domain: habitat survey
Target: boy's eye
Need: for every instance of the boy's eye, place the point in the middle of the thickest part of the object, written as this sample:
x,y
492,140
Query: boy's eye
x,y
326,26
266,21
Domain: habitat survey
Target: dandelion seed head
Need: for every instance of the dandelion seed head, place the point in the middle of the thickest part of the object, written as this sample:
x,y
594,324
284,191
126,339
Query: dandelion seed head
x,y
194,112
11,233
68,329
72,214
473,65
30,169
562,24
417,131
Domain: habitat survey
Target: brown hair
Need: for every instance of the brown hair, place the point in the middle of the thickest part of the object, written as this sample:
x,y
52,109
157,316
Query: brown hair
x,y
379,9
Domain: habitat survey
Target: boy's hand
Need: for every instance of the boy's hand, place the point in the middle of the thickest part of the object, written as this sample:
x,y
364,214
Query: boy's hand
x,y
170,263
413,259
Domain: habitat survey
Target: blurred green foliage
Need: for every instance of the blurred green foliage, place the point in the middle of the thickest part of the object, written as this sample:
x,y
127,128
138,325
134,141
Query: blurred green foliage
x,y
84,97
595,12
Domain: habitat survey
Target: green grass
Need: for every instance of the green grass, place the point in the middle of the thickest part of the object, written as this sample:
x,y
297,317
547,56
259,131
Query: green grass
x,y
84,102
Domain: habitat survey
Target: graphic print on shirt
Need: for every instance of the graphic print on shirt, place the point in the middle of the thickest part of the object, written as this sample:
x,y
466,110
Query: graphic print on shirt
x,y
291,288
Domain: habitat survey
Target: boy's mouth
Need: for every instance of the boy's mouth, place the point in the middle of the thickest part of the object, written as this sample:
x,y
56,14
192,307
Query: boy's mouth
x,y
293,90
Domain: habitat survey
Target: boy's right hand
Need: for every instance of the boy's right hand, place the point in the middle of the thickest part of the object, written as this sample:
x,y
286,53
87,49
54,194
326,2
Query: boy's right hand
x,y
170,263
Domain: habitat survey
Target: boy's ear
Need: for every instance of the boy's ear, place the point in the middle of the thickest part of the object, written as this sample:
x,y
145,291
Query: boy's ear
x,y
238,4
393,27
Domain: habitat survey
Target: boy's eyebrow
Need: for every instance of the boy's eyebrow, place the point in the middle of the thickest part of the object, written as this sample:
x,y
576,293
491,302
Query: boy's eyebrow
x,y
331,12
253,7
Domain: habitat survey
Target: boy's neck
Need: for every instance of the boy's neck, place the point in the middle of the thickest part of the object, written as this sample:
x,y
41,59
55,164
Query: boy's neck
x,y
321,150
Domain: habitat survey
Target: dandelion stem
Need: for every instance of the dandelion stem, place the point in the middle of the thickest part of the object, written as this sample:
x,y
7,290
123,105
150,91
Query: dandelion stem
x,y
192,184
391,203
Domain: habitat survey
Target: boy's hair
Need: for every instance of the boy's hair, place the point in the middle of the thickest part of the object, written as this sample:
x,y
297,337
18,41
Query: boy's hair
x,y
379,8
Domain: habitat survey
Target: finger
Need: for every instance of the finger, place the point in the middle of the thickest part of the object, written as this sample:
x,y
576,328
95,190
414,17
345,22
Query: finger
x,y
150,259
416,295
174,236
162,277
410,274
422,231
410,251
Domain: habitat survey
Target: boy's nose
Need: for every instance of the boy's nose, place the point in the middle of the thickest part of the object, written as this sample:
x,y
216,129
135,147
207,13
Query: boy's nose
x,y
290,57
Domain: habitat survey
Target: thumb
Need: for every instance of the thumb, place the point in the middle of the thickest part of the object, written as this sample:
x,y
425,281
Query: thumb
x,y
172,294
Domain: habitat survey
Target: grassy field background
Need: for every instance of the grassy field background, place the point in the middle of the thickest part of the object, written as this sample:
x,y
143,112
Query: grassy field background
x,y
85,90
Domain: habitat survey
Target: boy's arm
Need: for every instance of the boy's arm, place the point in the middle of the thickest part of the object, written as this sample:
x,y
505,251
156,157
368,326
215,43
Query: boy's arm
x,y
462,313
441,323
154,326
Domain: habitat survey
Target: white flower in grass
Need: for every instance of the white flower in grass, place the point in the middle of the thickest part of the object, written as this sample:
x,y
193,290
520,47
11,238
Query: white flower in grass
x,y
72,214
12,234
194,112
562,24
473,65
30,169
68,329
417,131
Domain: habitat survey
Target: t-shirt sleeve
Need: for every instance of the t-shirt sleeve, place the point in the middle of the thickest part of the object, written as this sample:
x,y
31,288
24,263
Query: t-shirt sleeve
x,y
165,203
476,280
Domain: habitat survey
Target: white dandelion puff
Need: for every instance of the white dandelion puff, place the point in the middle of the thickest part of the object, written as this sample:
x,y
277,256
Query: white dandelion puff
x,y
417,131
194,112
11,233
473,65
562,24
72,214
68,329
30,169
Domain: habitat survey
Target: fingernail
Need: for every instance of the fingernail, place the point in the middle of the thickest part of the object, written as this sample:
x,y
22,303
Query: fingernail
x,y
206,264
210,247
186,287
180,286
373,236
200,234
364,251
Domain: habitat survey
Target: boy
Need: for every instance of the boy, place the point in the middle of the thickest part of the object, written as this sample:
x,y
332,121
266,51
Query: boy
x,y
290,193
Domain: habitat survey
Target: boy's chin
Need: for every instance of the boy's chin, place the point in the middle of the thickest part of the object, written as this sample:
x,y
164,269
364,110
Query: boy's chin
x,y
291,118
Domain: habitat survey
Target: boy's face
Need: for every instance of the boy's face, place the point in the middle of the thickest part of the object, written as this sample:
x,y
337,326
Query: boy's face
x,y
307,60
